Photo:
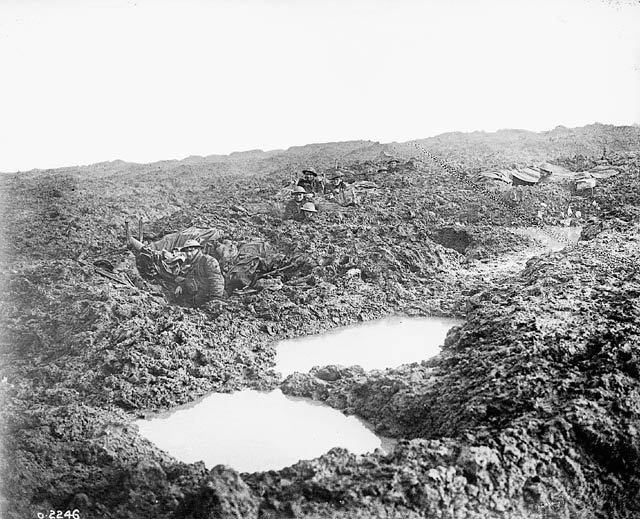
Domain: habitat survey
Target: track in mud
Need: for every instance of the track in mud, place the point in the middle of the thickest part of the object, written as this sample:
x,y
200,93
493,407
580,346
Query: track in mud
x,y
545,239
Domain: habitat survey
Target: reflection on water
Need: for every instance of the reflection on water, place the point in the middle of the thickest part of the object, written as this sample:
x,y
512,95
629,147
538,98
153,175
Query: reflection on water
x,y
379,344
256,431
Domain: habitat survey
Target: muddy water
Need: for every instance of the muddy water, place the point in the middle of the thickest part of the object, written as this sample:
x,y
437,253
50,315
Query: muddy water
x,y
384,343
256,431
551,238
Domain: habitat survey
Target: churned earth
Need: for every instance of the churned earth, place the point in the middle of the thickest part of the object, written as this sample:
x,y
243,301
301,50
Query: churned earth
x,y
532,410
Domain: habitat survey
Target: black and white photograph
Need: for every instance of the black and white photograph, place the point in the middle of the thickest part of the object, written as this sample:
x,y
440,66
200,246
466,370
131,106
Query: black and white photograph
x,y
315,259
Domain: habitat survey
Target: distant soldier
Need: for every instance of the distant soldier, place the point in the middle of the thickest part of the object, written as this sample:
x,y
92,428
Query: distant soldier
x,y
308,211
292,209
393,165
310,181
516,194
339,192
201,279
310,196
337,184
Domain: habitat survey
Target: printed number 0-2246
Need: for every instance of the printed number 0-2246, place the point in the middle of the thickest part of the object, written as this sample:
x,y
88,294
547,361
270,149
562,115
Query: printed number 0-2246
x,y
59,514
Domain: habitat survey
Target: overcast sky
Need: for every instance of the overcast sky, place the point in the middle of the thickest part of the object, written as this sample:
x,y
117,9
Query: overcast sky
x,y
95,80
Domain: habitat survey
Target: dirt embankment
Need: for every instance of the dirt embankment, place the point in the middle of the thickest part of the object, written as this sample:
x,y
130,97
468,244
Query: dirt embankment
x,y
530,410
537,396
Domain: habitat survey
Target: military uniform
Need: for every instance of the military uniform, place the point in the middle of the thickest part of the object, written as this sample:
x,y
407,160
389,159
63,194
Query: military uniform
x,y
292,210
158,258
202,280
311,186
334,189
341,194
251,258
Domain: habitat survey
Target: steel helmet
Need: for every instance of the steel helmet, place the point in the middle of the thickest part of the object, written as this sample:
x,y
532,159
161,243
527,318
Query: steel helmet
x,y
310,170
298,189
338,174
190,243
309,207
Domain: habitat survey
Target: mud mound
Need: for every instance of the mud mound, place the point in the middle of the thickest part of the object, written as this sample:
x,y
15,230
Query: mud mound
x,y
553,378
127,340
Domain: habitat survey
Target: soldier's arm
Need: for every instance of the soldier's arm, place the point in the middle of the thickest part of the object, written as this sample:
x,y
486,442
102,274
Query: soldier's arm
x,y
215,281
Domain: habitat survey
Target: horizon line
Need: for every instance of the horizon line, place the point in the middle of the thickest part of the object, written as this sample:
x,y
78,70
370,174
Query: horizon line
x,y
284,150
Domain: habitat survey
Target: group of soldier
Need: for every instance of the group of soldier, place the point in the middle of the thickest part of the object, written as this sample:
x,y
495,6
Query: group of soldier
x,y
303,204
196,265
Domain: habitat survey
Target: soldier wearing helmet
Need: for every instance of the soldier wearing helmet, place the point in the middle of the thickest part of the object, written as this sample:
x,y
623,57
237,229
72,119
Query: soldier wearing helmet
x,y
339,192
337,185
308,211
200,279
393,165
292,209
310,196
310,181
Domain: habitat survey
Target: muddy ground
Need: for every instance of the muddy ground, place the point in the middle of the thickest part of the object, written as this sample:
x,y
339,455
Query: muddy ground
x,y
531,411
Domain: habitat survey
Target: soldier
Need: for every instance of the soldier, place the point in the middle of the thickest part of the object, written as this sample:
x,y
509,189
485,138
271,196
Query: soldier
x,y
310,181
308,211
310,196
292,209
393,165
339,191
200,279
242,265
337,184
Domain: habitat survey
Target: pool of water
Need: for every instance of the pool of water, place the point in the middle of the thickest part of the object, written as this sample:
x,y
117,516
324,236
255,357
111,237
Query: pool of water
x,y
384,343
255,431
553,238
